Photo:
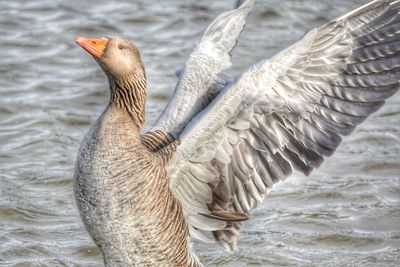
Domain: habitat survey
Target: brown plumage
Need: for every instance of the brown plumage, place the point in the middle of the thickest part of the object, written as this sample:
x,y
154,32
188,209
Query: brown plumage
x,y
122,188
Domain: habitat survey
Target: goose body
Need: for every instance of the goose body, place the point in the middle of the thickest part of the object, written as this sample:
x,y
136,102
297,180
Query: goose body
x,y
111,180
219,146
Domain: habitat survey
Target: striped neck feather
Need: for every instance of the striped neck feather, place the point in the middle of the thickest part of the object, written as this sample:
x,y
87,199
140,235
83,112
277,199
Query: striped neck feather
x,y
129,94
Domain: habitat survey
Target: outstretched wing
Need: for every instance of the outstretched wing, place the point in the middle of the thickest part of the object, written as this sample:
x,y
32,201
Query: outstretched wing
x,y
202,76
286,113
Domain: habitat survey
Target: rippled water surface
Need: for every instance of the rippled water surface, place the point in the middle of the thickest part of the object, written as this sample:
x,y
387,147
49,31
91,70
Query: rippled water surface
x,y
345,214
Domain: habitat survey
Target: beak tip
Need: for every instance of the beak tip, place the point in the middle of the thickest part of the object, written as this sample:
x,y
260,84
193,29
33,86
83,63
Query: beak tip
x,y
79,40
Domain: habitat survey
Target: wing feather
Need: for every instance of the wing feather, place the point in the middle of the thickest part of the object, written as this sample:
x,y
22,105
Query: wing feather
x,y
284,114
202,76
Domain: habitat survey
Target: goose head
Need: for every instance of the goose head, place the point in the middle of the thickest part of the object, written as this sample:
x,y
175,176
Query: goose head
x,y
121,62
118,57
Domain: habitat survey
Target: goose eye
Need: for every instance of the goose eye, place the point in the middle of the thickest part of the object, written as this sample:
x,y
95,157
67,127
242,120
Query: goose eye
x,y
121,46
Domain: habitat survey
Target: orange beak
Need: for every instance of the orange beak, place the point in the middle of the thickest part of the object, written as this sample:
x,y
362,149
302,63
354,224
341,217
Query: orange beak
x,y
95,47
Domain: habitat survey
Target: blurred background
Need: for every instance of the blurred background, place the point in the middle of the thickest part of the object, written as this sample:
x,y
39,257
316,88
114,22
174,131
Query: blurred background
x,y
345,214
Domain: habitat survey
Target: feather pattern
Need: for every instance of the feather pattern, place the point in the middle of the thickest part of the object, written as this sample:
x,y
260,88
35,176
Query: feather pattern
x,y
202,76
282,114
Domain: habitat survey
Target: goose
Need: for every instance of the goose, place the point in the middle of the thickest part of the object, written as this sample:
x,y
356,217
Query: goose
x,y
220,145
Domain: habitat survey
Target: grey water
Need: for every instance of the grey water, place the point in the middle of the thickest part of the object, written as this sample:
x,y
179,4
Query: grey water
x,y
346,213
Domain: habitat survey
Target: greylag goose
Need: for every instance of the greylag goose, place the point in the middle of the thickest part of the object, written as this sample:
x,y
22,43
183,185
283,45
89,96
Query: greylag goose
x,y
219,147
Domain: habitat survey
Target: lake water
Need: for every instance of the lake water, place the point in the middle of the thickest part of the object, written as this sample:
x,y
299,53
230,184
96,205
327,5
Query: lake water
x,y
345,214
